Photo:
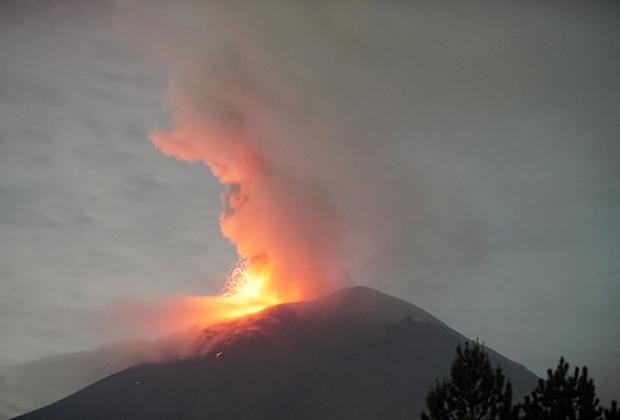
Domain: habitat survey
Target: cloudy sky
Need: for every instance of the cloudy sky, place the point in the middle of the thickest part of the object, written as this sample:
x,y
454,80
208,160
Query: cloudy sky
x,y
471,149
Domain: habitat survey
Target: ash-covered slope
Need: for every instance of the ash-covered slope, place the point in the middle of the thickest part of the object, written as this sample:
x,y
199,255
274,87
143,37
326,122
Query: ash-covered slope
x,y
355,354
31,385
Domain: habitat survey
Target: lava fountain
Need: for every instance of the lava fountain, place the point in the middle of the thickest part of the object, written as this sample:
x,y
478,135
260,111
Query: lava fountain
x,y
247,289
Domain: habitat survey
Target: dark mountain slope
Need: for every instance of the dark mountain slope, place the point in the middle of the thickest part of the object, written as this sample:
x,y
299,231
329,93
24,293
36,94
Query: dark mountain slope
x,y
355,354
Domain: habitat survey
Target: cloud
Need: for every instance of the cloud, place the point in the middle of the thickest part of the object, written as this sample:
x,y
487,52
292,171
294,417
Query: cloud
x,y
89,211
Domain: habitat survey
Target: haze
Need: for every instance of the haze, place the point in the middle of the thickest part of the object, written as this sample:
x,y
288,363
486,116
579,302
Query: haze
x,y
470,150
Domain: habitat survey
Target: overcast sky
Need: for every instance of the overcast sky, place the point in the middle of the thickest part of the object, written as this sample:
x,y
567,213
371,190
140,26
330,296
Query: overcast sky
x,y
471,148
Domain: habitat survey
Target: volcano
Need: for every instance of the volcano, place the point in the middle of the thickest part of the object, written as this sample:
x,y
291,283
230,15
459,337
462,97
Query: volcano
x,y
354,354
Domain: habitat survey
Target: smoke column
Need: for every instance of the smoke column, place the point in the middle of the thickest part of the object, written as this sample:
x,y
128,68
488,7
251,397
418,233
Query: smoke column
x,y
311,186
283,111
279,221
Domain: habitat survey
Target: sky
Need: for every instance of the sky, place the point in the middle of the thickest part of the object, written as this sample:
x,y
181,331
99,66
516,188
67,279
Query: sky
x,y
470,149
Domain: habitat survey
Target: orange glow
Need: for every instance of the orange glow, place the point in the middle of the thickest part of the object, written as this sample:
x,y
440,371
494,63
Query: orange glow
x,y
286,232
246,292
247,281
247,288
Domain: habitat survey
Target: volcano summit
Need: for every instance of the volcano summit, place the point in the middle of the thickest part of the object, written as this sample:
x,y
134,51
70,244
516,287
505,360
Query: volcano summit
x,y
354,354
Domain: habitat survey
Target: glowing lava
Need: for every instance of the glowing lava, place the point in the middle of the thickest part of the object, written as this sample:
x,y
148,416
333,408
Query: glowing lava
x,y
247,291
247,288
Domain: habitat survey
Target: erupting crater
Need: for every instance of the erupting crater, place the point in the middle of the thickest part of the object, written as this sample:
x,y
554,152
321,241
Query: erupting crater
x,y
247,288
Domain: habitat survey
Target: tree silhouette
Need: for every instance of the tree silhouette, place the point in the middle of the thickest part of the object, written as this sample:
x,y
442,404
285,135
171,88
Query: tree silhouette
x,y
474,390
612,413
563,396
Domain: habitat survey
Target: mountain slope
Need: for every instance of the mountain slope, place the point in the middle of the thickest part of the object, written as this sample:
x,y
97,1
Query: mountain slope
x,y
31,385
357,354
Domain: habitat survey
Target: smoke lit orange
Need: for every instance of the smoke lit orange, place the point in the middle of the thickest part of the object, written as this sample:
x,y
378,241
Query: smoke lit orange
x,y
286,232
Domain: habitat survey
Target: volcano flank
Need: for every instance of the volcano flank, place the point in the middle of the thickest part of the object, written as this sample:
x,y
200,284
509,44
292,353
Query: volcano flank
x,y
354,354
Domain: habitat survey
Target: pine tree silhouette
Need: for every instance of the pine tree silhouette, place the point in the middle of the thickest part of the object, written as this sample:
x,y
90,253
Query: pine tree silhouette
x,y
474,390
563,396
612,413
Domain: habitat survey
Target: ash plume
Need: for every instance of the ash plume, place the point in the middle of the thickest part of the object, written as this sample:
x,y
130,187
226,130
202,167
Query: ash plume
x,y
274,106
227,117
450,159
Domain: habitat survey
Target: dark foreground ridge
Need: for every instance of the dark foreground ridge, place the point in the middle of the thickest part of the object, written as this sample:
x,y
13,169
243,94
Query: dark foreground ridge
x,y
355,354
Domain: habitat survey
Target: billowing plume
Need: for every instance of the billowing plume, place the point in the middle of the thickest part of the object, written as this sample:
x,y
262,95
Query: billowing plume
x,y
321,120
282,223
278,106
